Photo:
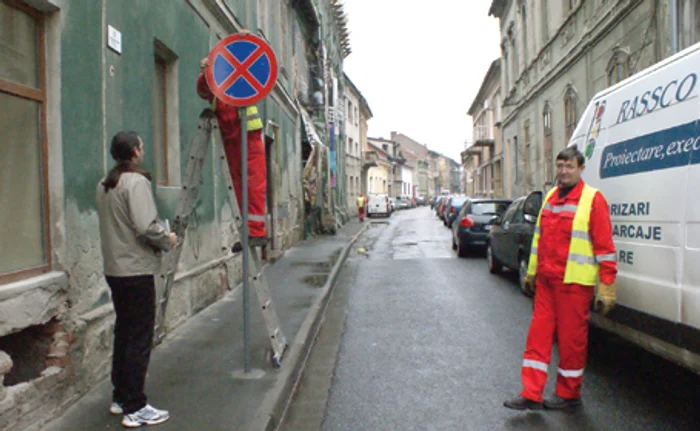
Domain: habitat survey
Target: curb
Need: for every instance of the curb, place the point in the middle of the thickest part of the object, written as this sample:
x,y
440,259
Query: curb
x,y
274,406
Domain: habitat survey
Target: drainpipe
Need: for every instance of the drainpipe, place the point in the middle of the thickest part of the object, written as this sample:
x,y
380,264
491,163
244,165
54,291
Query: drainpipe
x,y
673,12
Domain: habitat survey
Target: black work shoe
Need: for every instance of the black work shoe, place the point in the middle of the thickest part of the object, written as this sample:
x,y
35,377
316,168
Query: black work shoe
x,y
522,403
237,247
559,403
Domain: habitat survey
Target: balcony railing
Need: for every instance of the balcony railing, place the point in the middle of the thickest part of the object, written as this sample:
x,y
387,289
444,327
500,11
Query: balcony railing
x,y
483,135
369,159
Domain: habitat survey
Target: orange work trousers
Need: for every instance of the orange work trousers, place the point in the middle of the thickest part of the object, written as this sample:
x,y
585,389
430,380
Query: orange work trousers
x,y
257,179
561,310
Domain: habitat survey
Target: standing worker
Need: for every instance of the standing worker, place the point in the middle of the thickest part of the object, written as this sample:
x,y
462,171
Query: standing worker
x,y
572,248
230,126
132,240
361,204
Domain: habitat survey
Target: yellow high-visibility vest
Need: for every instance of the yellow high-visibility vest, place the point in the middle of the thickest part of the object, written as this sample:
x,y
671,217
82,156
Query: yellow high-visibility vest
x,y
581,264
360,201
254,121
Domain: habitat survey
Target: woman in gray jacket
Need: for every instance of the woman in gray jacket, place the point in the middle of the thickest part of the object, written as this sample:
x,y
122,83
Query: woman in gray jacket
x,y
132,241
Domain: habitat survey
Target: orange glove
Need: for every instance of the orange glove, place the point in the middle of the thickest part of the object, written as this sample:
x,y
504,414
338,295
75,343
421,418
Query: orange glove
x,y
605,298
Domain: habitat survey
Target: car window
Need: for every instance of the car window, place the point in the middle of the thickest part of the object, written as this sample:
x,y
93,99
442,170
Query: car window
x,y
459,201
518,218
510,212
463,210
488,208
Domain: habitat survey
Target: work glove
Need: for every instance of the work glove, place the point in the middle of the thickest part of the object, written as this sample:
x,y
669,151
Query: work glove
x,y
605,298
529,285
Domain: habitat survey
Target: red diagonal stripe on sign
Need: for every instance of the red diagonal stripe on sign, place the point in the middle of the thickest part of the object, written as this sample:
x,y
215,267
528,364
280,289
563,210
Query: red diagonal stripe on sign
x,y
241,69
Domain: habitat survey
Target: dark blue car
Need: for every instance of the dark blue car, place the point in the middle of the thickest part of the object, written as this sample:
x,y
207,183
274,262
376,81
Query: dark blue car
x,y
473,222
454,204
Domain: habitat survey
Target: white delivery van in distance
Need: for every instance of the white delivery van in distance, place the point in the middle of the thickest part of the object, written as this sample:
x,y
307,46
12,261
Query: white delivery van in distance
x,y
378,205
641,140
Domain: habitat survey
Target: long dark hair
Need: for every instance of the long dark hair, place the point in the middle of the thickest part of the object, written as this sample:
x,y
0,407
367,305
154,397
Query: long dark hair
x,y
122,150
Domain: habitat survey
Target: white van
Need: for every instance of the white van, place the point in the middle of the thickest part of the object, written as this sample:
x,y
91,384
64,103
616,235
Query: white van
x,y
378,204
641,139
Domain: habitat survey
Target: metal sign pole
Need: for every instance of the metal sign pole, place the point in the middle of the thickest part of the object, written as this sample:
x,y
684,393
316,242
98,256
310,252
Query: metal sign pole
x,y
244,234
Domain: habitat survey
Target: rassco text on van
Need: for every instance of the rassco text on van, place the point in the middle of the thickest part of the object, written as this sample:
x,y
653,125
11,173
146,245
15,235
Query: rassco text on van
x,y
668,148
662,96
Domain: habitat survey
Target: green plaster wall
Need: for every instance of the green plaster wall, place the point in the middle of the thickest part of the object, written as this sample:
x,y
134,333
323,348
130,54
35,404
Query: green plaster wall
x,y
81,103
104,92
128,92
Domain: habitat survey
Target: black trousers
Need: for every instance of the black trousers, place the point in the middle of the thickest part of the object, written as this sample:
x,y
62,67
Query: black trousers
x,y
135,305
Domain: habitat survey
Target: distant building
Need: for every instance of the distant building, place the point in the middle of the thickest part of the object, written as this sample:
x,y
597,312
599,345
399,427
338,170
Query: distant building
x,y
357,113
483,159
419,162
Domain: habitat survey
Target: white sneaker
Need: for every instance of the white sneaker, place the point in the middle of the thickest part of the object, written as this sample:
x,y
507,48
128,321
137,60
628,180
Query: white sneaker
x,y
148,415
116,409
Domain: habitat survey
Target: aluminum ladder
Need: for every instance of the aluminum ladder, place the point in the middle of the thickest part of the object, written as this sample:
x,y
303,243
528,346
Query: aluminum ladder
x,y
186,206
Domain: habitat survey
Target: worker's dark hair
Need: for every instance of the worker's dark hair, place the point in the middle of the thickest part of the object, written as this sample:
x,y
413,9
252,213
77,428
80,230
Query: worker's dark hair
x,y
571,153
122,150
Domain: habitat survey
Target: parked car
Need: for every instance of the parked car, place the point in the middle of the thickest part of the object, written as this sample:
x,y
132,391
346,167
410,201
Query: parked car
x,y
442,206
454,204
438,203
471,227
510,238
402,202
378,205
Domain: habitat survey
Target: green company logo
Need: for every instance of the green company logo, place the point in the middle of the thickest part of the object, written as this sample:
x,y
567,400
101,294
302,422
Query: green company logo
x,y
595,128
589,149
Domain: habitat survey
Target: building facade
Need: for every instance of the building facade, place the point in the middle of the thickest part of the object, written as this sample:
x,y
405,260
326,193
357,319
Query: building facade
x,y
557,54
379,165
72,74
483,159
357,113
418,161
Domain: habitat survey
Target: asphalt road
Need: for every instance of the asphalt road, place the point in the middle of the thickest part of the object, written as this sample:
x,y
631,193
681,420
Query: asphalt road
x,y
418,339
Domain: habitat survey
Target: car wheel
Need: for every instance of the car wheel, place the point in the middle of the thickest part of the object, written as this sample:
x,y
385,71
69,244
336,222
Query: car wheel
x,y
494,265
461,249
522,273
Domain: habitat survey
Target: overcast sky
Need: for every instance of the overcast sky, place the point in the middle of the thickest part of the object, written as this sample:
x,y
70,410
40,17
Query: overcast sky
x,y
420,64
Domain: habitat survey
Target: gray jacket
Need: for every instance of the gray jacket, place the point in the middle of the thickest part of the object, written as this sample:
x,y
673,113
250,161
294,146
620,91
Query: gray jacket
x,y
131,236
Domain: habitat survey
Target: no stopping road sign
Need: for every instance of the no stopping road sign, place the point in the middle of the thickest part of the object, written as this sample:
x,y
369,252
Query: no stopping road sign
x,y
242,69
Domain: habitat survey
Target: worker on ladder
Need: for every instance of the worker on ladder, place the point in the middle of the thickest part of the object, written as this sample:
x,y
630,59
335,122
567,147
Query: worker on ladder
x,y
229,124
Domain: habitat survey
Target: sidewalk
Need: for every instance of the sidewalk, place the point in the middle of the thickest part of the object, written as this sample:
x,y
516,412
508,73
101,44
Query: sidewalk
x,y
191,371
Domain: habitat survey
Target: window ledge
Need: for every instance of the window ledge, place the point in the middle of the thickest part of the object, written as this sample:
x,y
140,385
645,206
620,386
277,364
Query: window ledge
x,y
30,302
